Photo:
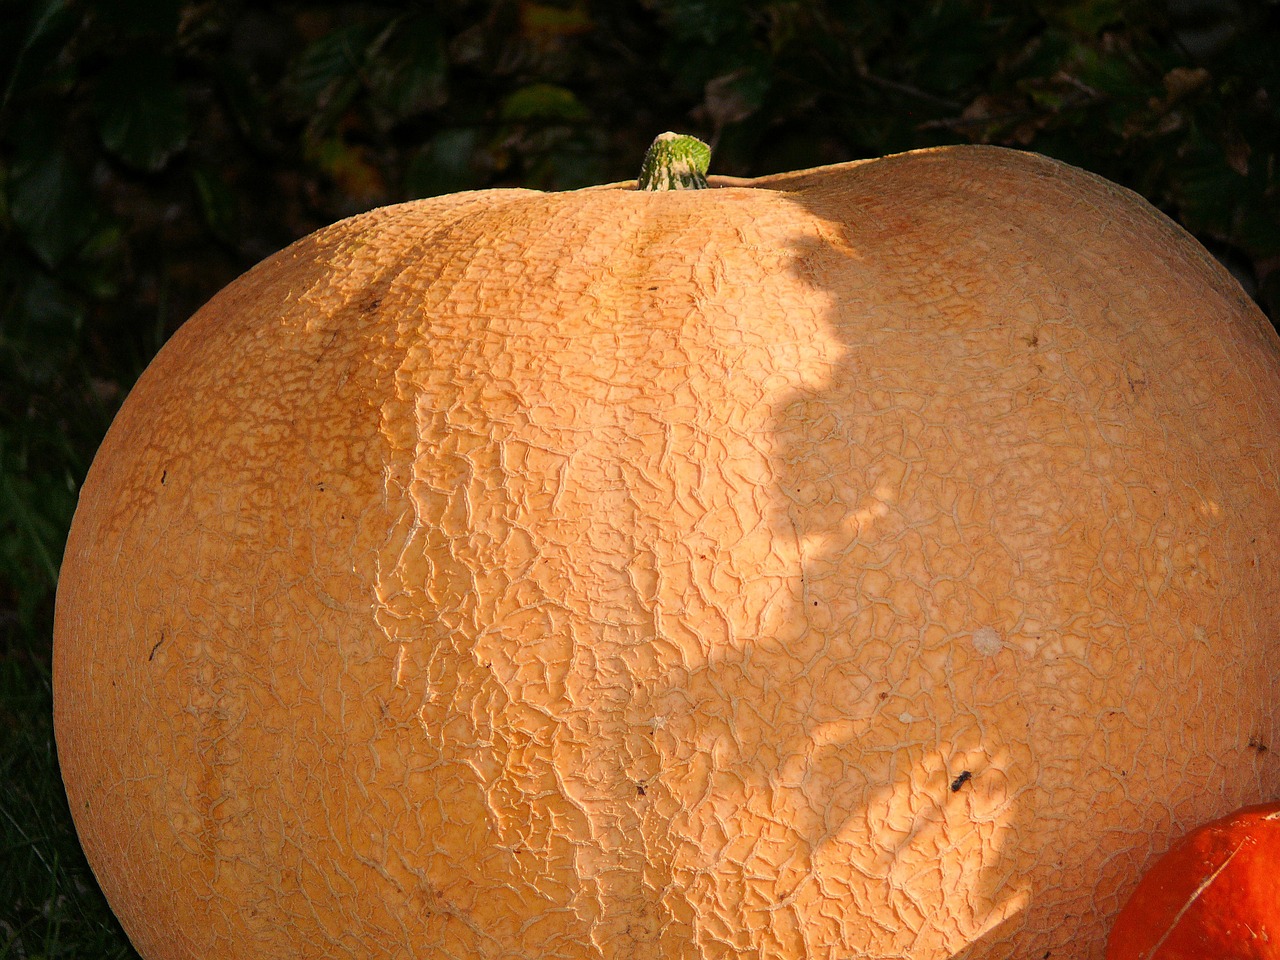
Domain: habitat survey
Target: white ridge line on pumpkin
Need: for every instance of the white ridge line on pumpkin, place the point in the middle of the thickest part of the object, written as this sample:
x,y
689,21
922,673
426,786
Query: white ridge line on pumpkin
x,y
1192,899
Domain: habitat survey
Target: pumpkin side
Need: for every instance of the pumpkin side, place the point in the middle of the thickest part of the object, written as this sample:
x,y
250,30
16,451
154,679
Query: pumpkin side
x,y
863,560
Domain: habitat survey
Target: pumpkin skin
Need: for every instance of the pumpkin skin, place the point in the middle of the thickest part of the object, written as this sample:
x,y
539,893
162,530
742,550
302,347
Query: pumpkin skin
x,y
871,560
1213,894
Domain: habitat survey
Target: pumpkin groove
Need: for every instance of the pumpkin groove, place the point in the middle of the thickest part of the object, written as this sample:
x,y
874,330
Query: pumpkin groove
x,y
613,574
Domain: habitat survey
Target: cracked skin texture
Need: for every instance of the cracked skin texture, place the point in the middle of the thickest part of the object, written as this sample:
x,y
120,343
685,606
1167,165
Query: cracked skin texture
x,y
873,561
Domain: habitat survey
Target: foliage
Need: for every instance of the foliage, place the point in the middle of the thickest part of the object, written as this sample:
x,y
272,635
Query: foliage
x,y
152,150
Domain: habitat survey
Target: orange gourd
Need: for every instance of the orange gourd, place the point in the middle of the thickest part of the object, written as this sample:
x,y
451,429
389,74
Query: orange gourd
x,y
1214,894
874,560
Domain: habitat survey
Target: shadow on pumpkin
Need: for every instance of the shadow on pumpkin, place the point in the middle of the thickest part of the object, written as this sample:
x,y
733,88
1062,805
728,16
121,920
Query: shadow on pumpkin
x,y
963,419
892,794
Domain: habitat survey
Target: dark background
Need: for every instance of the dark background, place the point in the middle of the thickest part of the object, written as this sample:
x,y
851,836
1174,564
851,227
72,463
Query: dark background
x,y
151,150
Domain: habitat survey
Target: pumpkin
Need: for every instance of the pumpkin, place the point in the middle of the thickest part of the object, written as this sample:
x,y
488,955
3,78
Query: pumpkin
x,y
872,560
1214,893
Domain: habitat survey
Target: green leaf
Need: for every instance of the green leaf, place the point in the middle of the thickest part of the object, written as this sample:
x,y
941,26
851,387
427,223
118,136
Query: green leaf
x,y
1085,16
445,165
51,23
705,21
328,61
544,18
51,313
409,75
1258,229
34,514
48,19
51,205
37,336
950,47
142,117
325,78
1112,74
733,97
244,103
543,101
139,18
99,263
217,203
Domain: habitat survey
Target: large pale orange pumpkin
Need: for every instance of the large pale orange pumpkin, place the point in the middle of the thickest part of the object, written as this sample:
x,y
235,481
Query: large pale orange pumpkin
x,y
872,561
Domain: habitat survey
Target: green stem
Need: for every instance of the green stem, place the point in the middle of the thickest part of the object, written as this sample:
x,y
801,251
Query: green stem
x,y
675,161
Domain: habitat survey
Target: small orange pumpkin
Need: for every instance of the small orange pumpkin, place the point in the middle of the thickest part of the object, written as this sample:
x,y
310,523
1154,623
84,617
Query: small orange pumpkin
x,y
1214,894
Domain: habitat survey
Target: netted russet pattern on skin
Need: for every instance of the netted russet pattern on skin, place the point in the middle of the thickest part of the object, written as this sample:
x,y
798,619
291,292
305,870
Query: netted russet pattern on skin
x,y
866,561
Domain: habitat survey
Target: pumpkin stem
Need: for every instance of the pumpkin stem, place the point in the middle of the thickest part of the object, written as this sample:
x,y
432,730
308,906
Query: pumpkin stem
x,y
675,161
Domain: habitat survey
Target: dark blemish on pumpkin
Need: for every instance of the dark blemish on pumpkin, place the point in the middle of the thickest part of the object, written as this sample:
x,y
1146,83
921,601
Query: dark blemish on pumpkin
x,y
1033,340
1257,744
960,781
320,485
884,696
151,656
373,304
164,477
639,789
333,338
